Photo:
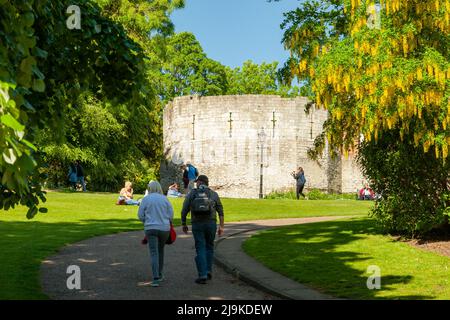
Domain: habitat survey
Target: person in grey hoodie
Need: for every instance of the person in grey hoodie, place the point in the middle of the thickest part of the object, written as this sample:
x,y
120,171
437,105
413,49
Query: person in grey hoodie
x,y
156,212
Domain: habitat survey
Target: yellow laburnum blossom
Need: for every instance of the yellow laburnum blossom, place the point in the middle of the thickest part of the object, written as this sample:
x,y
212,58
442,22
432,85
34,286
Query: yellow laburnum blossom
x,y
405,46
302,66
426,146
419,74
430,70
444,151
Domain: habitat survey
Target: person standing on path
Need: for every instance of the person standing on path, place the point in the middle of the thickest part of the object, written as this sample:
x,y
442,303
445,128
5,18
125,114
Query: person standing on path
x,y
185,177
192,174
203,203
80,175
299,175
156,212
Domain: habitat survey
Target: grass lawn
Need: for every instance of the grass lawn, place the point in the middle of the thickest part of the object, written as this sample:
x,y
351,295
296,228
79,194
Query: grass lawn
x,y
73,217
334,256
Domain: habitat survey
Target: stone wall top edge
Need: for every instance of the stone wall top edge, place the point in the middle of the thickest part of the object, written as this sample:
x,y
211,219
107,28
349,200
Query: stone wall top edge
x,y
254,98
229,97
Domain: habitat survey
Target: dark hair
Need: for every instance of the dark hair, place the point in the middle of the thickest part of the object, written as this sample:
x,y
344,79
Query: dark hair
x,y
203,179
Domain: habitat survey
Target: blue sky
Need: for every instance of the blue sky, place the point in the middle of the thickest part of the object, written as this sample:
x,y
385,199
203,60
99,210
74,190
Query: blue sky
x,y
233,31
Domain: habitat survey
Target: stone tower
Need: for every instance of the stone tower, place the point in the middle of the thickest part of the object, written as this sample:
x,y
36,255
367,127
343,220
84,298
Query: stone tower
x,y
229,137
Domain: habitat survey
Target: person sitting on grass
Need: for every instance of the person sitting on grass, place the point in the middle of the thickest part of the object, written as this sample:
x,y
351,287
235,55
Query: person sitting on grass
x,y
173,191
366,193
126,195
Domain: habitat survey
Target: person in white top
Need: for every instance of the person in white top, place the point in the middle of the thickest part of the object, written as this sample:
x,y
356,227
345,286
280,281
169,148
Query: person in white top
x,y
156,212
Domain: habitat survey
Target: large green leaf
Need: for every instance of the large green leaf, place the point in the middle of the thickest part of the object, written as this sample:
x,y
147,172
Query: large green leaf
x,y
28,19
38,85
9,121
29,144
27,64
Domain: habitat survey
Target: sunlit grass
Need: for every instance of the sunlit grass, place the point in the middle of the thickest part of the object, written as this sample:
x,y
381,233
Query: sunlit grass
x,y
334,256
73,217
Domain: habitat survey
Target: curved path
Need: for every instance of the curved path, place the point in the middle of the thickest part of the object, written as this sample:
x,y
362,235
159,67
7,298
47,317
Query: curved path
x,y
118,267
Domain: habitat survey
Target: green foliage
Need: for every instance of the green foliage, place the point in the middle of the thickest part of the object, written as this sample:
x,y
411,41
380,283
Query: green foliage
x,y
44,67
277,195
316,194
108,139
18,72
252,78
140,173
186,70
415,198
313,194
389,81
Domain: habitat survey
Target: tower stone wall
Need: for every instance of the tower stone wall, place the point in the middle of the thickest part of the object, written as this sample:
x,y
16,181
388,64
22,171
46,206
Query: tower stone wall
x,y
222,137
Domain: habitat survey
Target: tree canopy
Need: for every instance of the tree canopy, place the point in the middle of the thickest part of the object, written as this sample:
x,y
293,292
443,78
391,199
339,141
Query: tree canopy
x,y
254,78
44,67
186,69
372,79
96,93
382,70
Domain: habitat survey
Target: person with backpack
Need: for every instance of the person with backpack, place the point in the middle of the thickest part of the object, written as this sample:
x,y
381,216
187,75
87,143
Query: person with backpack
x,y
203,203
192,174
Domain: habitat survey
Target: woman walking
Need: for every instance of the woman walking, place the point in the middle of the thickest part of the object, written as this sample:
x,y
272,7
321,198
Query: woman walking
x,y
156,212
299,175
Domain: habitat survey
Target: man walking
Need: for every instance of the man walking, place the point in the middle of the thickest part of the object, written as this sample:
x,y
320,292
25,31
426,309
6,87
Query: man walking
x,y
203,203
192,174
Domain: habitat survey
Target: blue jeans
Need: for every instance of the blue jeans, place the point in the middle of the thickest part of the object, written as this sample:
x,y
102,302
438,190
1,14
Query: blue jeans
x,y
132,202
156,241
204,235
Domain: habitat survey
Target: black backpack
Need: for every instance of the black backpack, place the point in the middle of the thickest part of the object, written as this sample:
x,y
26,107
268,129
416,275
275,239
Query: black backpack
x,y
202,203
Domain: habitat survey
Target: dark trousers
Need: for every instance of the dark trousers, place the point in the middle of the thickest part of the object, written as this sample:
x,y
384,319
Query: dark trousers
x,y
300,191
204,235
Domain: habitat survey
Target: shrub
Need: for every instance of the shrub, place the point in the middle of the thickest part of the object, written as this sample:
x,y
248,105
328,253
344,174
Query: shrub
x,y
413,185
313,194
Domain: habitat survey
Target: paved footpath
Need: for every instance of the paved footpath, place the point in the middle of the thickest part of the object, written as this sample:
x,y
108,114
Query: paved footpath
x,y
118,267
